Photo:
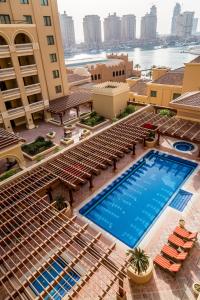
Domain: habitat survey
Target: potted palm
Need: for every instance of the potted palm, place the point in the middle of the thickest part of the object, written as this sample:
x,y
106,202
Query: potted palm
x,y
62,205
140,269
150,141
196,288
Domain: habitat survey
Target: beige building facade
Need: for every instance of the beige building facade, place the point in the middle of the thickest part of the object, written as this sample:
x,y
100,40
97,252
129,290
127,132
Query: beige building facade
x,y
110,98
32,70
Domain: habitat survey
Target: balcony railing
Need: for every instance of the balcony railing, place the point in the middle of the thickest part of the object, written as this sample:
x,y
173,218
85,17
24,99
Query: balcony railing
x,y
28,69
14,111
37,104
6,72
24,47
4,48
33,88
10,92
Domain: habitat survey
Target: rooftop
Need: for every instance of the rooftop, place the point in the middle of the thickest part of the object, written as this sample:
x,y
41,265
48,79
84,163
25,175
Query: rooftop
x,y
196,60
172,77
191,99
75,77
109,63
140,87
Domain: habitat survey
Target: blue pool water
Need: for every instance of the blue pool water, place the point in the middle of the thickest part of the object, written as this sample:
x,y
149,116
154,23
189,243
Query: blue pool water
x,y
49,275
181,200
128,206
183,146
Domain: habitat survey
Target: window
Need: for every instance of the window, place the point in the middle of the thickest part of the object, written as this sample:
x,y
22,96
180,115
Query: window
x,y
5,19
58,89
24,1
28,19
95,77
114,74
2,1
120,73
53,57
44,2
123,72
92,77
153,94
176,95
50,40
56,74
47,21
99,76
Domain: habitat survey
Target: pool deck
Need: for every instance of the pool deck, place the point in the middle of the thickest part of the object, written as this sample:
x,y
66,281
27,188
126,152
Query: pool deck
x,y
162,286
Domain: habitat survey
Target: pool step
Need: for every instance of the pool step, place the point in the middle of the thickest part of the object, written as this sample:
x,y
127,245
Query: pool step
x,y
181,200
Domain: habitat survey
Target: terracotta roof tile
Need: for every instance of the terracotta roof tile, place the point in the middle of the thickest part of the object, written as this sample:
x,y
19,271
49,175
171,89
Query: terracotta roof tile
x,y
140,87
7,138
174,77
75,77
189,99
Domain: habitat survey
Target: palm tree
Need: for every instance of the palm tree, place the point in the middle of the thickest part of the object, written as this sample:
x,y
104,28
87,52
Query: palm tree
x,y
137,66
60,202
139,260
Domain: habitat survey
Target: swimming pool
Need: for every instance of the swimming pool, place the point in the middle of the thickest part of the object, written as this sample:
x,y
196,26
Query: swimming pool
x,y
131,203
48,276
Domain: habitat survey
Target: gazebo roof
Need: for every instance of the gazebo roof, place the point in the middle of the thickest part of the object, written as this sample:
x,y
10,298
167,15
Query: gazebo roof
x,y
7,138
62,104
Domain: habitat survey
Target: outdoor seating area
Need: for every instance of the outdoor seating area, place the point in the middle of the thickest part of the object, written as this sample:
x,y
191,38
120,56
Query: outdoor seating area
x,y
174,253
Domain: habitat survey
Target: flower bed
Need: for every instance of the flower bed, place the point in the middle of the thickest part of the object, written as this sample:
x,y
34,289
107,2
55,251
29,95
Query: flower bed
x,y
8,174
39,146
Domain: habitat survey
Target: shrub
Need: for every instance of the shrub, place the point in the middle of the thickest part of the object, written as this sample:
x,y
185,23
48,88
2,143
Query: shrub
x,y
39,145
8,174
139,260
166,112
93,120
127,111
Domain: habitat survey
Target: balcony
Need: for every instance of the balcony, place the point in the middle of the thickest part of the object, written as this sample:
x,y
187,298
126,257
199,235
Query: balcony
x,y
24,49
16,112
11,94
7,73
29,70
33,89
36,106
4,51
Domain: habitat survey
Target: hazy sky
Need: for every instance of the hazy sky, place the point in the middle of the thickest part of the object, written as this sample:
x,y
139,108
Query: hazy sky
x,y
79,8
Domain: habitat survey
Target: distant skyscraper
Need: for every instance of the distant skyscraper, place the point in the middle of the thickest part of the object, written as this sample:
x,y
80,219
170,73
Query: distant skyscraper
x,y
195,25
176,13
67,30
128,28
112,29
184,24
92,31
149,25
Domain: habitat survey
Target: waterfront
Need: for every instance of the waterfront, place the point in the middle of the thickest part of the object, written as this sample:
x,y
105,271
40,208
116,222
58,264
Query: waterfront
x,y
170,57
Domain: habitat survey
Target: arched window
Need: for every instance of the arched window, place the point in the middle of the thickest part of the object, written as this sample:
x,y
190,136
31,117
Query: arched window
x,y
22,38
120,73
113,73
2,41
116,73
95,77
92,77
123,72
99,76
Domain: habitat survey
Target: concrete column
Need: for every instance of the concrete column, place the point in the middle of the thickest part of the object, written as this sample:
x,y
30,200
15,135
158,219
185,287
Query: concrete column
x,y
4,114
29,120
47,116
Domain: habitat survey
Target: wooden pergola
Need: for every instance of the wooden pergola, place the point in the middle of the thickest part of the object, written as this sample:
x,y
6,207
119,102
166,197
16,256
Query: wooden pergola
x,y
7,138
34,235
181,129
61,105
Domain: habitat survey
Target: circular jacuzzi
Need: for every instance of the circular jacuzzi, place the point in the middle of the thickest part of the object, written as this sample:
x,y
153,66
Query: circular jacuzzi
x,y
183,146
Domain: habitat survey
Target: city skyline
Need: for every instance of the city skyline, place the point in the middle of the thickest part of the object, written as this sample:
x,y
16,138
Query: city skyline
x,y
164,11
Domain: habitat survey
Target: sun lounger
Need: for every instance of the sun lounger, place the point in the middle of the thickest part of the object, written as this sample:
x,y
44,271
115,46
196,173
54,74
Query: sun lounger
x,y
173,253
185,234
177,242
166,265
